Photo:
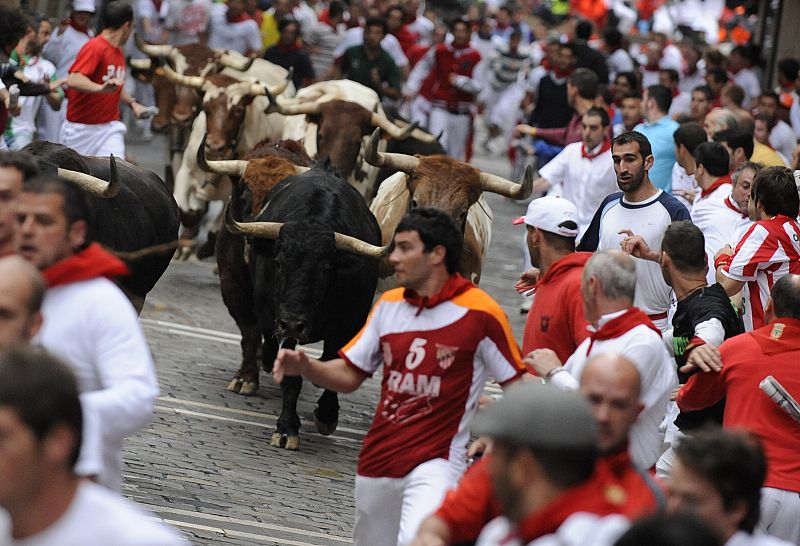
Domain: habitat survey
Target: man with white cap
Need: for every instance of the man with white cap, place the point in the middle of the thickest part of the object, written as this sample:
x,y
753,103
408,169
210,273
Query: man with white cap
x,y
61,50
556,317
542,468
583,172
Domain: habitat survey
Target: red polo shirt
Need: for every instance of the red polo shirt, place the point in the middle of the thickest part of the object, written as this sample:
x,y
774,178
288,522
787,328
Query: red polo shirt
x,y
747,359
99,61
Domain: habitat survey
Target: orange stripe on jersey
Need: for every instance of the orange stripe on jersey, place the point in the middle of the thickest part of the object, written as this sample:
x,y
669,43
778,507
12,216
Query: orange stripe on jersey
x,y
478,300
396,294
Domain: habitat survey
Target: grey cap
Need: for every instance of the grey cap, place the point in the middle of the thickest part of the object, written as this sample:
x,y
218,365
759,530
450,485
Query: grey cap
x,y
533,414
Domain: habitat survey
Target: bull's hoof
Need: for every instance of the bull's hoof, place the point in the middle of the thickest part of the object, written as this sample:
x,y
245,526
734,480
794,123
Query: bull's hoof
x,y
326,429
284,441
235,385
248,388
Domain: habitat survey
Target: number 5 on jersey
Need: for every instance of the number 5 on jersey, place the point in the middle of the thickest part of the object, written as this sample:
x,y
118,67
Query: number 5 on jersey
x,y
416,353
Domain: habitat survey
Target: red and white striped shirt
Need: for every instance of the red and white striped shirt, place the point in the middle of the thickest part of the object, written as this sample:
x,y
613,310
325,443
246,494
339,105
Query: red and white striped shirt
x,y
769,250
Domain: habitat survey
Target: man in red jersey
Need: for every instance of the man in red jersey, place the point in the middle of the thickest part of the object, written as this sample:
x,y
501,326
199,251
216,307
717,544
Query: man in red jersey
x,y
768,250
438,338
747,359
611,384
95,89
453,90
556,319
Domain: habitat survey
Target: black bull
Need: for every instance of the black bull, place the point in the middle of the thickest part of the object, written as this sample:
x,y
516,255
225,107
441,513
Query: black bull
x,y
299,286
143,214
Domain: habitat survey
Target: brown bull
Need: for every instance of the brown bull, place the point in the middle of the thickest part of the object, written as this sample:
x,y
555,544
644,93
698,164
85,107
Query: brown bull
x,y
444,183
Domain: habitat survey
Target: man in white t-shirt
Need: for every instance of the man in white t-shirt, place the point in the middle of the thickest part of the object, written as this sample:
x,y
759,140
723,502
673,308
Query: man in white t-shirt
x,y
639,208
187,21
232,28
715,219
47,504
688,137
617,327
781,138
743,75
583,172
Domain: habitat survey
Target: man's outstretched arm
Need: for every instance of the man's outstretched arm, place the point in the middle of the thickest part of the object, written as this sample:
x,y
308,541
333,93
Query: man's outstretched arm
x,y
336,375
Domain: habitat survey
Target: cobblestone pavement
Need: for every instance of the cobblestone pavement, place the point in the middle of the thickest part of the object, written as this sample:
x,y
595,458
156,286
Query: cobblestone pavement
x,y
204,463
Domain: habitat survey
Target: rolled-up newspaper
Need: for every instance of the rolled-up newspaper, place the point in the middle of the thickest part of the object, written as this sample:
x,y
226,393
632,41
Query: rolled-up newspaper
x,y
778,394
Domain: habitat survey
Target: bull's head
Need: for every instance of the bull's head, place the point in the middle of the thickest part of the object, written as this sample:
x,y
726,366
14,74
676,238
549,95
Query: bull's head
x,y
445,183
225,100
341,125
93,185
301,268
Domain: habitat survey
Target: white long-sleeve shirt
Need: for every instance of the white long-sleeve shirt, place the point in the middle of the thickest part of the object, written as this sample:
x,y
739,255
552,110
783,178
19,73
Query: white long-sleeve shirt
x,y
92,326
646,350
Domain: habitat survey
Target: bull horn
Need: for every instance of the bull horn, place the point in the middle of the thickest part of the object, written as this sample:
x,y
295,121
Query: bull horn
x,y
419,134
306,108
180,79
141,64
152,50
232,167
346,243
393,130
401,162
231,61
499,185
262,89
93,185
259,230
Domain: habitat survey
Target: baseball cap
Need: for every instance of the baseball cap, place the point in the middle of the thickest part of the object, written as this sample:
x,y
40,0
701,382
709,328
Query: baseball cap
x,y
533,414
83,5
549,213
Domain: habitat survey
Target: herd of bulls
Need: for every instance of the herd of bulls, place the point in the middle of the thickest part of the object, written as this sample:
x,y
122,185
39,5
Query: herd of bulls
x,y
313,193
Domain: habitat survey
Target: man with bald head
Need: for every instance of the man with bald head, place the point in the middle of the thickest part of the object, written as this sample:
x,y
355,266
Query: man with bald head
x,y
608,285
21,293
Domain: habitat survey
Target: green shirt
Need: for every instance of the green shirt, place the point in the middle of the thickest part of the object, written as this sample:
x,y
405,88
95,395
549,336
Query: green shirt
x,y
358,67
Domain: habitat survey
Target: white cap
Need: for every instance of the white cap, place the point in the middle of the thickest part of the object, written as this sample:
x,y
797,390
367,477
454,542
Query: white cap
x,y
549,213
83,5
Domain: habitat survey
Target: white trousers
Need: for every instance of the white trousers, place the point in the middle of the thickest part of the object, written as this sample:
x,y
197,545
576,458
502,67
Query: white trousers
x,y
389,511
502,106
780,514
101,140
455,129
420,111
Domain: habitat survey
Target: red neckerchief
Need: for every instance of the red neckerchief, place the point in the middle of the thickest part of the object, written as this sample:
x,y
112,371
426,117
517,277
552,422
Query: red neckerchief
x,y
690,71
545,64
84,30
561,74
651,67
604,148
239,18
720,181
157,4
734,207
733,72
587,497
779,336
615,327
288,49
455,285
675,93
92,262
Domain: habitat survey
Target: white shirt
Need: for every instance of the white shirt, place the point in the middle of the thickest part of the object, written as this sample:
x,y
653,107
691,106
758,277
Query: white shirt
x,y
783,139
242,37
747,80
305,15
98,517
756,539
649,219
355,37
63,47
36,70
717,221
683,181
92,326
188,19
681,104
619,61
579,529
584,182
689,82
646,350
